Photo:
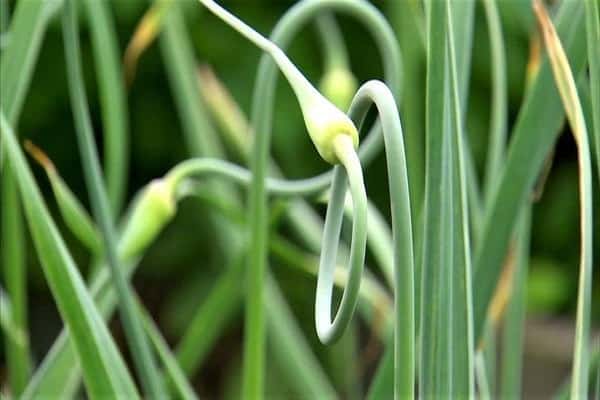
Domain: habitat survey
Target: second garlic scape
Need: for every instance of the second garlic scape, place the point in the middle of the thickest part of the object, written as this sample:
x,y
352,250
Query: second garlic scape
x,y
323,120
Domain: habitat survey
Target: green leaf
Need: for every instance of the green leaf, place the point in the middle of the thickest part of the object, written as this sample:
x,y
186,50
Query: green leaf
x,y
534,134
565,82
140,349
463,352
112,99
514,324
437,235
27,28
592,18
72,211
173,371
105,373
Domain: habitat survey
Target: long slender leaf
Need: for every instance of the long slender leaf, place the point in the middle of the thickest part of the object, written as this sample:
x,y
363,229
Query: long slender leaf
x,y
27,29
301,366
514,325
173,371
497,137
565,82
462,298
434,240
199,134
140,349
105,373
534,134
112,99
592,25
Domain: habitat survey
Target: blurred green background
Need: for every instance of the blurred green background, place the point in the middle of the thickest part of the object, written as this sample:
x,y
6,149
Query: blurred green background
x,y
180,267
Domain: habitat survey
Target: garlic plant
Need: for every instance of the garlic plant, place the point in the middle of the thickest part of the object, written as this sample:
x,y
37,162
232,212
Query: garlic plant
x,y
453,266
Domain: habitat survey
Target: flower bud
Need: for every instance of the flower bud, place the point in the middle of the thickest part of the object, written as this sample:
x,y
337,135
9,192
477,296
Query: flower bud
x,y
154,208
324,122
339,85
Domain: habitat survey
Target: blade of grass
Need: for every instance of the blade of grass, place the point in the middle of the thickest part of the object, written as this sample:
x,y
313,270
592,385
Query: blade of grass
x,y
434,240
13,256
498,119
145,32
4,16
536,129
27,28
514,325
592,18
212,316
564,391
172,370
75,216
11,330
482,382
567,89
112,100
462,336
199,135
140,349
408,21
105,373
261,117
300,365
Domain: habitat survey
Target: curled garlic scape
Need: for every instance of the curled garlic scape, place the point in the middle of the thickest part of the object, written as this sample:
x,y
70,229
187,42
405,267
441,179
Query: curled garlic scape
x,y
323,120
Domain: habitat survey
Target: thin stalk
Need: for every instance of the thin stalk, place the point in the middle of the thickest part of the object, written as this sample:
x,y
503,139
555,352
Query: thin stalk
x,y
564,391
301,367
514,325
334,48
27,29
199,135
133,327
337,83
15,278
402,234
172,370
592,17
103,368
433,242
567,89
4,16
263,96
463,368
350,174
497,137
535,131
112,100
408,22
482,381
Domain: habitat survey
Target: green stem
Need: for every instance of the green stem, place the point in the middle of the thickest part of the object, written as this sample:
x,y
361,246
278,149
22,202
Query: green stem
x,y
513,331
334,49
112,98
497,138
482,381
592,16
261,117
326,330
27,28
133,326
463,341
404,330
4,16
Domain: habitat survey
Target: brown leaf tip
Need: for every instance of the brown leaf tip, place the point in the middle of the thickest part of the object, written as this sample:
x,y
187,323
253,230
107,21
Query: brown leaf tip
x,y
39,156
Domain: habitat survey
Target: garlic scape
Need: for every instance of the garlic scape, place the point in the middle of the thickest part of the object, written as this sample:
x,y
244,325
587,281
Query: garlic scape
x,y
323,120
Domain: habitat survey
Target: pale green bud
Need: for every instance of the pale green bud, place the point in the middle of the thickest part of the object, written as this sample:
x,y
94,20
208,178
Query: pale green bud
x,y
339,85
154,208
324,122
